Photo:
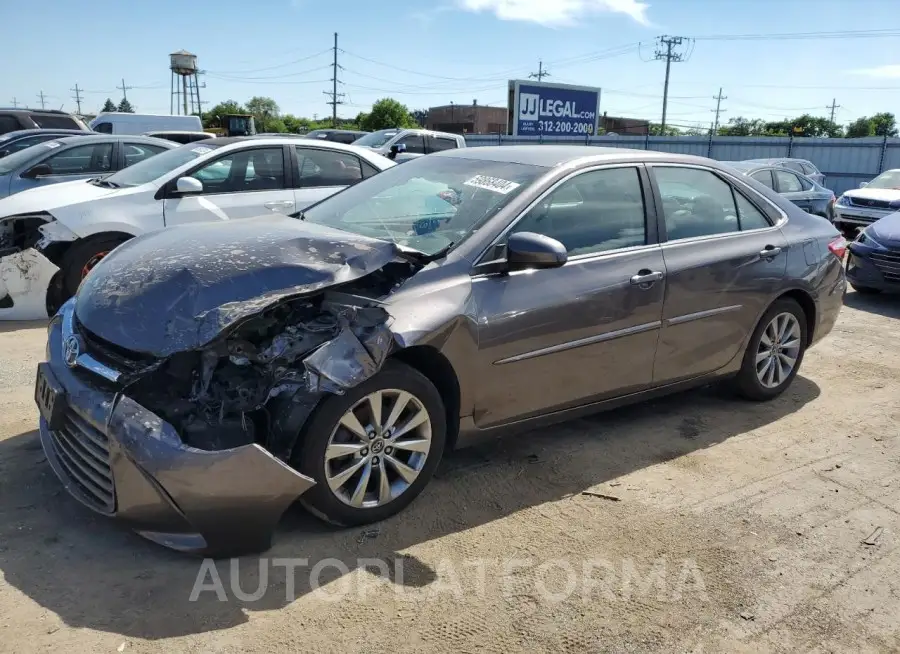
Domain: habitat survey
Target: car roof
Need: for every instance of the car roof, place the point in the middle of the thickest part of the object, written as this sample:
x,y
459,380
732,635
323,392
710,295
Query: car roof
x,y
556,155
36,130
774,159
176,131
281,140
111,138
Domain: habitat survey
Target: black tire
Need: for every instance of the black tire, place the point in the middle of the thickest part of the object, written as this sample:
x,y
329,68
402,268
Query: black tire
x,y
747,383
309,455
79,258
866,290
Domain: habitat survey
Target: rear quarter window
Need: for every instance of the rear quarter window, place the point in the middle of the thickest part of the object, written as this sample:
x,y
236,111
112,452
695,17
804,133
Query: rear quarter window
x,y
48,121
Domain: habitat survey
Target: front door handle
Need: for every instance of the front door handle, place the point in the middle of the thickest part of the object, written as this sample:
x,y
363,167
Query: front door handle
x,y
769,252
646,277
280,204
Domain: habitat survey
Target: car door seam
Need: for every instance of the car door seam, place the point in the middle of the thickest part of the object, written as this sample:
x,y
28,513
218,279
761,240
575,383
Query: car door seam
x,y
581,342
699,315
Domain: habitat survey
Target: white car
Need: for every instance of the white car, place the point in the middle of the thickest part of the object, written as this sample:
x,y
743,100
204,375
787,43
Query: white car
x,y
51,237
871,202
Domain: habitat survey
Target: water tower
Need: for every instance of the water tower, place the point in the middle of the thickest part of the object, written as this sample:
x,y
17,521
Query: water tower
x,y
185,87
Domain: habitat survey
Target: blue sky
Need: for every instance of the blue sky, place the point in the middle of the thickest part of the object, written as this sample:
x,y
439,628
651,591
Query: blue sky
x,y
460,50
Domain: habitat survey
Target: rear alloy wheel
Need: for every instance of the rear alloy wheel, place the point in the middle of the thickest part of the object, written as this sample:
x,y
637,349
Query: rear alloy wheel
x,y
774,353
372,450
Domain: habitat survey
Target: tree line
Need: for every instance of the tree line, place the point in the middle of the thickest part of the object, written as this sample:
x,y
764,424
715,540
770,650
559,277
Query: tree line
x,y
267,115
881,124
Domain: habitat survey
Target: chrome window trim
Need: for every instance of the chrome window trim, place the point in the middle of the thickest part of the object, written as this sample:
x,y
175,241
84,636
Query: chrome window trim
x,y
581,171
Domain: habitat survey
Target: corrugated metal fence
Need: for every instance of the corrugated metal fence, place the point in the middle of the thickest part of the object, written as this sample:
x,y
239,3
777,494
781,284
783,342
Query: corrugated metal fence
x,y
845,162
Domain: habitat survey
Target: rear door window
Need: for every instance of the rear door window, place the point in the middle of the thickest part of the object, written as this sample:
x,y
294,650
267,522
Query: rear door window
x,y
809,169
324,168
415,143
794,165
787,182
439,143
135,152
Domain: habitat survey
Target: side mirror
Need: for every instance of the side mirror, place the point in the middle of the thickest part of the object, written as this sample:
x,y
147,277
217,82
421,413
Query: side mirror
x,y
396,149
531,250
863,184
188,185
39,170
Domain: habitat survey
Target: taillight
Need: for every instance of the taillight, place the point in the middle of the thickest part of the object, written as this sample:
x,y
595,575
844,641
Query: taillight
x,y
838,247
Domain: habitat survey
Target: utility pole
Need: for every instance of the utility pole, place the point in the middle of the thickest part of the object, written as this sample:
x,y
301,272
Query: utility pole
x,y
664,51
43,102
541,74
15,103
77,98
335,96
834,105
718,99
124,90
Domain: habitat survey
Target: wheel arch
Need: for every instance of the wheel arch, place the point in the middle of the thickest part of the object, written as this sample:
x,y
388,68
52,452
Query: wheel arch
x,y
437,368
806,302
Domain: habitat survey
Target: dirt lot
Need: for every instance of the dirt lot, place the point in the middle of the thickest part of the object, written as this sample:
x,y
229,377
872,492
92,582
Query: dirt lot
x,y
695,524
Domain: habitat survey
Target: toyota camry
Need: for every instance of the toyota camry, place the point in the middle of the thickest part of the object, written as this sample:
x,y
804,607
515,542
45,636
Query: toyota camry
x,y
206,377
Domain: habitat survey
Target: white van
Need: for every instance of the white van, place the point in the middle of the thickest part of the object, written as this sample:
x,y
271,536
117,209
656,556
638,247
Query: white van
x,y
116,122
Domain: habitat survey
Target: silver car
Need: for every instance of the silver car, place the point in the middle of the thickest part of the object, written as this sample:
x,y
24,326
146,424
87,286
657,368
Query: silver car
x,y
72,158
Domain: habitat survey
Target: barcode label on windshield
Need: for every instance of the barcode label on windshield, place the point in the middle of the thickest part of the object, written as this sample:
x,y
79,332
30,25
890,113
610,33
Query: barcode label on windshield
x,y
52,144
494,184
202,149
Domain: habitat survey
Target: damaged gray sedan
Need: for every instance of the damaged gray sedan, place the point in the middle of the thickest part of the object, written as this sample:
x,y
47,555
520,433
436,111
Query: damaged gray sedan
x,y
207,376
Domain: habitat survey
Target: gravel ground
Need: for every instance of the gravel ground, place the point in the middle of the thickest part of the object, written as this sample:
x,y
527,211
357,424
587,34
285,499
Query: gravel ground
x,y
697,523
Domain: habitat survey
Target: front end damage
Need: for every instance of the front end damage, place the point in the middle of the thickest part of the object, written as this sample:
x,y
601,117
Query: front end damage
x,y
193,447
27,268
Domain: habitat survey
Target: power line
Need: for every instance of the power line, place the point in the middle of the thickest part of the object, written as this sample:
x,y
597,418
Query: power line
x,y
665,51
541,74
834,105
284,65
335,101
234,78
15,103
43,101
77,97
719,109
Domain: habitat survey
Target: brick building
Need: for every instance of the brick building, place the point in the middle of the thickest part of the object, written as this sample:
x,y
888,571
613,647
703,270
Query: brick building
x,y
467,119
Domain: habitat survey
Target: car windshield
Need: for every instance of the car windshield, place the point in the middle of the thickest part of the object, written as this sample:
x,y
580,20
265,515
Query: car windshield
x,y
23,157
889,180
376,139
156,166
427,204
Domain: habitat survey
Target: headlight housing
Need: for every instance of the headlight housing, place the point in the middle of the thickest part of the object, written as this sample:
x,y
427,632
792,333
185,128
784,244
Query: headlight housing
x,y
865,238
843,201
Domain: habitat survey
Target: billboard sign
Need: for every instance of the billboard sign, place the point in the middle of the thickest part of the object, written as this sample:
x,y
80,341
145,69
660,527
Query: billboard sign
x,y
544,109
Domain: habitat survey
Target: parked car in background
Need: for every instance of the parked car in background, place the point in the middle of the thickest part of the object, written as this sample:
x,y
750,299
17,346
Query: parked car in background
x,y
453,298
12,120
117,122
870,202
873,264
347,136
24,138
796,187
181,137
72,158
410,143
70,227
801,166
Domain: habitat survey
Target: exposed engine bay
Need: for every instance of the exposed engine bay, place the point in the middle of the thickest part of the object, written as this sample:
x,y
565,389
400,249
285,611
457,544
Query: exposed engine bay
x,y
262,379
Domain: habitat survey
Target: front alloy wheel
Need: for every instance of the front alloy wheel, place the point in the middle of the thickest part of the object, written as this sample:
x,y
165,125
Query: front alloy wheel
x,y
378,448
373,449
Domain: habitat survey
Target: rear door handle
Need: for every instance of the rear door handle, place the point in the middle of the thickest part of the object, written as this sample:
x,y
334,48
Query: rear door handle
x,y
646,277
769,252
279,204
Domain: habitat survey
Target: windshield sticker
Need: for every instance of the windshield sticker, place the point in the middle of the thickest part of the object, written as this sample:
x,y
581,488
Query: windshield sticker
x,y
52,144
494,184
201,149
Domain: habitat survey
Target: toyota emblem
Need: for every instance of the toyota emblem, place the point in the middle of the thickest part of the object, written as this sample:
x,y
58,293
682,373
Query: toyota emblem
x,y
71,350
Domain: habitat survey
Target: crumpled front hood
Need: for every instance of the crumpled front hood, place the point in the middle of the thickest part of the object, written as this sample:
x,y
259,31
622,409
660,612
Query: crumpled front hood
x,y
52,196
884,194
177,289
886,230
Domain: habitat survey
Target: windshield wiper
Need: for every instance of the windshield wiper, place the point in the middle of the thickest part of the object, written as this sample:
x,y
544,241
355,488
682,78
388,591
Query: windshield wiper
x,y
423,259
99,181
